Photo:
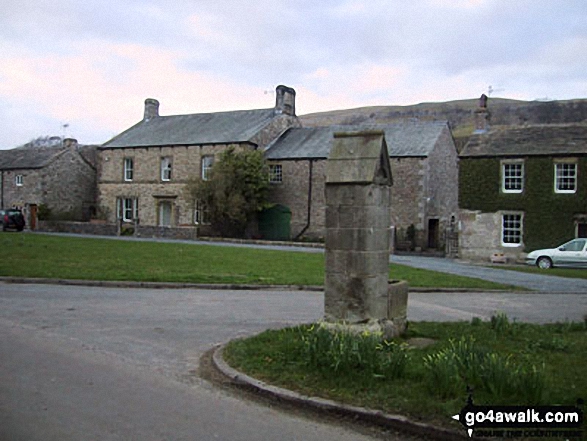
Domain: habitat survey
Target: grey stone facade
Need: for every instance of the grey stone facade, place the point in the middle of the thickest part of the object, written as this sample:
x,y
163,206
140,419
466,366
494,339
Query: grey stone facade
x,y
185,142
425,193
60,178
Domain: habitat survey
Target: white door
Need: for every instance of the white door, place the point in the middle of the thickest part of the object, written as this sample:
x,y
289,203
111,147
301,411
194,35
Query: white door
x,y
165,214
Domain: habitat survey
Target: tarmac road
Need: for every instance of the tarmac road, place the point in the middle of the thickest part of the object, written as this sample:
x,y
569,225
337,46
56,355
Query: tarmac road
x,y
94,363
80,363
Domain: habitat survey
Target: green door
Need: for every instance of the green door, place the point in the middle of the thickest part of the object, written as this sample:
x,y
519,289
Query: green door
x,y
275,222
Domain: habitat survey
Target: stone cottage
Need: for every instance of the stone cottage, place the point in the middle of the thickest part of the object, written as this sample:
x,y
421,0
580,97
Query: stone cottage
x,y
144,170
61,178
522,188
424,167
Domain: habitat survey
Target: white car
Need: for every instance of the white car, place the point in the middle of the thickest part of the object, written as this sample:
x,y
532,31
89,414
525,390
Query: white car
x,y
573,253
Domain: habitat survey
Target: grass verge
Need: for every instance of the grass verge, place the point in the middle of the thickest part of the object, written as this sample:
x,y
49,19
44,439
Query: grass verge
x,y
505,364
37,255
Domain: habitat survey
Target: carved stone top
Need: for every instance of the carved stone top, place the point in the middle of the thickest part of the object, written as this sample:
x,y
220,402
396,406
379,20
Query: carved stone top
x,y
360,158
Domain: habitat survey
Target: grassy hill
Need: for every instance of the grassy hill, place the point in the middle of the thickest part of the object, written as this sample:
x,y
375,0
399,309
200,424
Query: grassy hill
x,y
458,113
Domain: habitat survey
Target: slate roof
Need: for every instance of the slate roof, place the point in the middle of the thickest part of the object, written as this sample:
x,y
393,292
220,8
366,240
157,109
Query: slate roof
x,y
200,128
28,157
548,139
408,139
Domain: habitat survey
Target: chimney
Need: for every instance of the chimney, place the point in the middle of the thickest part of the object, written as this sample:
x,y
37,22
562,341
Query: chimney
x,y
70,143
151,109
285,101
482,116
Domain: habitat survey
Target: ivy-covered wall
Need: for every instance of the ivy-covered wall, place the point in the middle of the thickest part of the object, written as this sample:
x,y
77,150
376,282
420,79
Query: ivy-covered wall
x,y
549,216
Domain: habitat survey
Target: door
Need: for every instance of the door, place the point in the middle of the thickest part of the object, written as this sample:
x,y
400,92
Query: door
x,y
33,217
165,214
433,229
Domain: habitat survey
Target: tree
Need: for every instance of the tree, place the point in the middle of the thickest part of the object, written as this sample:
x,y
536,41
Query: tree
x,y
236,189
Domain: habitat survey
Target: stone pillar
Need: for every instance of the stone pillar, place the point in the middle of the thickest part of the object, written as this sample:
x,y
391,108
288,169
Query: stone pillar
x,y
358,185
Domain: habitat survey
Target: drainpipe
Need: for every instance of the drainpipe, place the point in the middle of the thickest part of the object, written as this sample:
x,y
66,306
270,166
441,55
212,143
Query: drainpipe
x,y
2,189
311,173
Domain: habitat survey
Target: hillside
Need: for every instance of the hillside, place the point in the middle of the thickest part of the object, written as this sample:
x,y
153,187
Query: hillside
x,y
459,114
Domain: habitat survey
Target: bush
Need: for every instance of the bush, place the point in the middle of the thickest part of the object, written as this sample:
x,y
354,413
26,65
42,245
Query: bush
x,y
237,189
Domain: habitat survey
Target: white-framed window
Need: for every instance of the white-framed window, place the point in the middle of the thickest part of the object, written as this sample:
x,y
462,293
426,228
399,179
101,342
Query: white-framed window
x,y
127,209
565,177
19,181
166,169
201,216
512,176
512,229
128,169
275,173
207,163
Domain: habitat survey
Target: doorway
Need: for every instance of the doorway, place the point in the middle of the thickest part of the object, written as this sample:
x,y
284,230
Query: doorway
x,y
165,214
33,217
433,230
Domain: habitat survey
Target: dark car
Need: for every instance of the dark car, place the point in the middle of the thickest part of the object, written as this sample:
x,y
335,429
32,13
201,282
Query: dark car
x,y
12,218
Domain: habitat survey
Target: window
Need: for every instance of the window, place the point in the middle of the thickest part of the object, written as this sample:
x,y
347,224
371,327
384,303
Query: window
x,y
512,177
166,169
275,174
511,229
207,162
18,180
128,169
127,209
201,213
565,177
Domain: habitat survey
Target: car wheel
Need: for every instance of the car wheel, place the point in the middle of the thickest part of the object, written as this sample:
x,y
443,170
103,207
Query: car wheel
x,y
544,262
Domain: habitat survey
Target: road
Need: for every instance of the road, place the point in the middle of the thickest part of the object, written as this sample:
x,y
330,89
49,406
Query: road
x,y
79,363
91,363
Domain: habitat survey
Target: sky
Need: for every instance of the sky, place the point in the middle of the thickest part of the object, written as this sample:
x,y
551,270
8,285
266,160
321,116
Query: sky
x,y
83,68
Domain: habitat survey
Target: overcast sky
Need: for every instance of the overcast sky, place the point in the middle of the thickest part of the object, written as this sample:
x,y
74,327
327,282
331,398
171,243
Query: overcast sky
x,y
91,64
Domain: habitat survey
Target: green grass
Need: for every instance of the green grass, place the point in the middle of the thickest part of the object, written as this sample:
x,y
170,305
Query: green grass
x,y
571,273
37,255
521,364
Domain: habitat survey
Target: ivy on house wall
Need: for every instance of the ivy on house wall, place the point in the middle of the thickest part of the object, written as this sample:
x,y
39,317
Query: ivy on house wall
x,y
549,218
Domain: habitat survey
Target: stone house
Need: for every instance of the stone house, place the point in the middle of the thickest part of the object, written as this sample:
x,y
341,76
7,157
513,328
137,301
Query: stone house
x,y
424,166
521,188
144,170
62,178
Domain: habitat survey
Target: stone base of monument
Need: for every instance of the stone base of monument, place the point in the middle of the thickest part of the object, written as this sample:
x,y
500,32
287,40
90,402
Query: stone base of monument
x,y
391,326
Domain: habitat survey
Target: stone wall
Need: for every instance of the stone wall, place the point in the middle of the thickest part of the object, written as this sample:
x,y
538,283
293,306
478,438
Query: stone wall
x,y
293,193
408,196
408,193
67,185
100,229
147,185
480,238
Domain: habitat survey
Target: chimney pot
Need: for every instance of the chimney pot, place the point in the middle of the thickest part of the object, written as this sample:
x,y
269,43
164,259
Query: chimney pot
x,y
285,100
151,109
70,143
482,116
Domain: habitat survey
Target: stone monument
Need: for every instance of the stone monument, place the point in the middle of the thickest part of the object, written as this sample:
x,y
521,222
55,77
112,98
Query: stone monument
x,y
358,186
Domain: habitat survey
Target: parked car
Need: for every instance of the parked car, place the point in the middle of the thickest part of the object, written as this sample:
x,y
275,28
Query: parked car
x,y
12,218
572,254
